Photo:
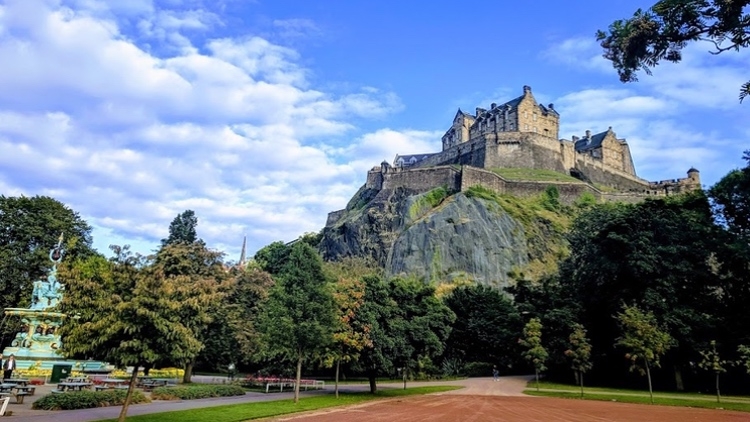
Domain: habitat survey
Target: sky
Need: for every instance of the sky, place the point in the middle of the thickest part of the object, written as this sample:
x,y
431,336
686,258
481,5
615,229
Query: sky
x,y
263,116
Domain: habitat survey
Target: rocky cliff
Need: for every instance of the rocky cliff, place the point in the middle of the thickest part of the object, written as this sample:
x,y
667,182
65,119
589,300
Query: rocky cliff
x,y
441,236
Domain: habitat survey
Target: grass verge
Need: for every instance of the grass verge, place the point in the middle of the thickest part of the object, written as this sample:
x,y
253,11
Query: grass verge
x,y
247,411
548,389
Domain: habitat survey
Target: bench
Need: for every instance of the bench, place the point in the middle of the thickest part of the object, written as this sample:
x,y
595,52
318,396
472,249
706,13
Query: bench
x,y
20,396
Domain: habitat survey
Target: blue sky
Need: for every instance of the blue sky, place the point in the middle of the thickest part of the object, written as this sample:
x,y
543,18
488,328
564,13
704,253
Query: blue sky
x,y
263,116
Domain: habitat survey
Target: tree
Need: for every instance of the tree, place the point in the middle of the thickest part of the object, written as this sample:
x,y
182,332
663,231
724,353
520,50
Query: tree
x,y
486,327
536,354
29,228
419,324
124,314
579,353
661,32
201,284
378,311
182,229
234,336
354,328
711,361
731,199
299,319
643,339
744,352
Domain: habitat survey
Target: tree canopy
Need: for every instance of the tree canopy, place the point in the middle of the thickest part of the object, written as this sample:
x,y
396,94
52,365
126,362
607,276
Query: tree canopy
x,y
182,229
663,31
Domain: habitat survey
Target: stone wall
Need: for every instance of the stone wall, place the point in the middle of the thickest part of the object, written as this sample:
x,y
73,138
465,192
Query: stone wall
x,y
600,173
334,217
422,179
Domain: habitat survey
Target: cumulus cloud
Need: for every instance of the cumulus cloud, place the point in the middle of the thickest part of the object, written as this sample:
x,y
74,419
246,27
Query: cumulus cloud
x,y
130,138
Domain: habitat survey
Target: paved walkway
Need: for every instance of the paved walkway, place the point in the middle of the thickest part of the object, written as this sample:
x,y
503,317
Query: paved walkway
x,y
507,386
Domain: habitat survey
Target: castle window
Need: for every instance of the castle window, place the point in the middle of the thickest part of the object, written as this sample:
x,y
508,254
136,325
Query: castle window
x,y
534,129
525,127
534,117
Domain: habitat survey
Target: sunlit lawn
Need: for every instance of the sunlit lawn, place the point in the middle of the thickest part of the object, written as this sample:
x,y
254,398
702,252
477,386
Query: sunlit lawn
x,y
256,410
739,403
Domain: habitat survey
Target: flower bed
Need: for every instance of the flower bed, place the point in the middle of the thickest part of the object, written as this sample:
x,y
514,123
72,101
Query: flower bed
x,y
196,391
86,400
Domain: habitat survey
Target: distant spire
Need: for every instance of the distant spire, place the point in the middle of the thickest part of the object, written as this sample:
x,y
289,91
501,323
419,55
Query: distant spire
x,y
242,255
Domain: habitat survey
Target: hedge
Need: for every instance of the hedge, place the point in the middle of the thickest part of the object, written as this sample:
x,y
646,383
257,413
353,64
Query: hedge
x,y
196,391
87,400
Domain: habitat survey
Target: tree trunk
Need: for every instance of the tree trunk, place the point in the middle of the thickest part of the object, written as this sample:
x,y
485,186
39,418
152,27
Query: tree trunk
x,y
373,384
187,378
299,378
718,394
580,376
129,395
650,389
536,372
679,385
404,375
336,387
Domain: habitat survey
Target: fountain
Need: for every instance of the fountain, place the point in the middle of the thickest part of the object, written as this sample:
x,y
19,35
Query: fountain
x,y
38,339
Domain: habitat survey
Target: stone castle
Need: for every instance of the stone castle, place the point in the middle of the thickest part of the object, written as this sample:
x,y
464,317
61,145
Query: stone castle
x,y
523,133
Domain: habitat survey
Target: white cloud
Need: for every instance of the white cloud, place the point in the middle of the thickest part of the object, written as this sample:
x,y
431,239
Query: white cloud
x,y
230,129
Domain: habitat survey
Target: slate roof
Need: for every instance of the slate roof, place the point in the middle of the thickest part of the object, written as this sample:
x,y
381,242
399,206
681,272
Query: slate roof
x,y
408,158
593,142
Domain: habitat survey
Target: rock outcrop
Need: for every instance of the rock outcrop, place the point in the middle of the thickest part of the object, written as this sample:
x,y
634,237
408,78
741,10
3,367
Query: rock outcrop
x,y
432,235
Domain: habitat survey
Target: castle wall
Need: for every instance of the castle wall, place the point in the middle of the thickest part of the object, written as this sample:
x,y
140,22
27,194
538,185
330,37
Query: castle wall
x,y
524,150
334,217
422,179
600,173
532,119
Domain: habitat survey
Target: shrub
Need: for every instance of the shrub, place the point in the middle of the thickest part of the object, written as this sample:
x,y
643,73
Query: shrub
x,y
196,391
478,369
86,400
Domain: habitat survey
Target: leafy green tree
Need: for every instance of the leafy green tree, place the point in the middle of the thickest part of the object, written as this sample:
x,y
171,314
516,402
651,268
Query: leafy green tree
x,y
579,353
731,198
661,32
29,228
711,361
486,328
234,336
660,254
419,324
201,286
299,318
644,341
378,311
535,353
744,352
124,314
273,257
182,229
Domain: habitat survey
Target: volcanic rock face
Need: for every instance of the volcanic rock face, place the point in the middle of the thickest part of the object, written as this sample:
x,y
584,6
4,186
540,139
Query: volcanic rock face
x,y
411,234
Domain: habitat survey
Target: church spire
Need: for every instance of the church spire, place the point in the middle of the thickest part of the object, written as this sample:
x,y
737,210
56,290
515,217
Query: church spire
x,y
242,255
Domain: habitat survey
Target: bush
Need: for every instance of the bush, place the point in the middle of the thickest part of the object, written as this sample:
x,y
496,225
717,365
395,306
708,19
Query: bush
x,y
196,391
86,400
478,369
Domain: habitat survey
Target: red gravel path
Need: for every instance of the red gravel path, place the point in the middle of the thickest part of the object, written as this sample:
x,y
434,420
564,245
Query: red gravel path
x,y
454,407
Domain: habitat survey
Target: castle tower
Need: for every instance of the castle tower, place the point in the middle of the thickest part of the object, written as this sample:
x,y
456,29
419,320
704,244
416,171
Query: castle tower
x,y
242,254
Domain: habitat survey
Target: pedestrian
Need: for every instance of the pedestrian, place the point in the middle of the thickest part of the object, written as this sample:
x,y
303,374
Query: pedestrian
x,y
8,367
495,373
231,371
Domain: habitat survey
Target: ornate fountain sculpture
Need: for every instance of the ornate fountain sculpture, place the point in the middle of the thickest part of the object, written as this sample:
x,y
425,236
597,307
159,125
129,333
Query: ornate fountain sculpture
x,y
38,338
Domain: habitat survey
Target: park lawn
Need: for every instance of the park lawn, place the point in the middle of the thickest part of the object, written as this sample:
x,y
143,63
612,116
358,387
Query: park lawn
x,y
545,385
247,411
644,399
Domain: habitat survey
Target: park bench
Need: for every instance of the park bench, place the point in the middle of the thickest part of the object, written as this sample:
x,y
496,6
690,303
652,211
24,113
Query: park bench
x,y
20,396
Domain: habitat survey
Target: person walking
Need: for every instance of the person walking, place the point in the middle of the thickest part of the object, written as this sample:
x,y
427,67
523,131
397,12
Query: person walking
x,y
8,367
495,373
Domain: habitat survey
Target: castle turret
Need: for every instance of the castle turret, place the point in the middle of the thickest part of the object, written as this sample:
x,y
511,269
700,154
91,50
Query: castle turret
x,y
694,175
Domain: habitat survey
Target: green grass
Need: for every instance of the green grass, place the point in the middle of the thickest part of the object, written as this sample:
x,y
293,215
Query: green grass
x,y
247,411
534,175
549,389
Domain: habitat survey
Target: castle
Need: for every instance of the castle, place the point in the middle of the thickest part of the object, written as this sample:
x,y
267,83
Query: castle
x,y
523,133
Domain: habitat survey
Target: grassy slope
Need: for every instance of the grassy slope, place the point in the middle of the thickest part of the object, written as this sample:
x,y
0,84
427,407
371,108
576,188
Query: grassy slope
x,y
534,175
247,411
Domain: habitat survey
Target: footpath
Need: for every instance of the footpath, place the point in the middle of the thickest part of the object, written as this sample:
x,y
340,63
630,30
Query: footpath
x,y
506,386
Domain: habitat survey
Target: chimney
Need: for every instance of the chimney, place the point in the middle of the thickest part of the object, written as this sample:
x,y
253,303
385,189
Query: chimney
x,y
526,89
575,138
588,134
493,106
551,106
